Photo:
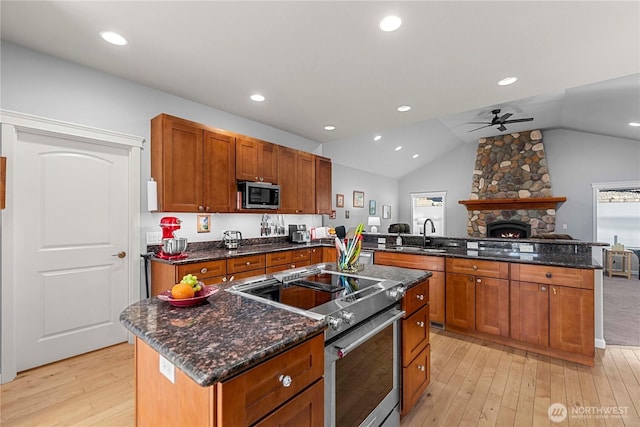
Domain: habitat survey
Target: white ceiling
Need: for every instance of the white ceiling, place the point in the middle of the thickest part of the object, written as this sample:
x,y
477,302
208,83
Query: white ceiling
x,y
326,62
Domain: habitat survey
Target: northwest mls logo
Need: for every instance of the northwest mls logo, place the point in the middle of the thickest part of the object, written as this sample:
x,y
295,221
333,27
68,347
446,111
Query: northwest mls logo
x,y
557,412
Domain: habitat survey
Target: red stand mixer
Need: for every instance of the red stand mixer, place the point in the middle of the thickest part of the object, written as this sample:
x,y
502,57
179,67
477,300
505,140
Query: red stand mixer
x,y
172,247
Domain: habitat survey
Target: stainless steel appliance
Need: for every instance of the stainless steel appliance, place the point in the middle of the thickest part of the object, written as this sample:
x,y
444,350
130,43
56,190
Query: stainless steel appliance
x,y
232,239
362,367
299,233
259,195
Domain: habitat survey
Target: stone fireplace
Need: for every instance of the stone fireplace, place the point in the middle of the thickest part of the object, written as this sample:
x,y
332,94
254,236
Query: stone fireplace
x,y
511,182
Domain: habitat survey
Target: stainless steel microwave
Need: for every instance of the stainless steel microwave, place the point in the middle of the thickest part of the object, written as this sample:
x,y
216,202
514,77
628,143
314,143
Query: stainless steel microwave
x,y
258,195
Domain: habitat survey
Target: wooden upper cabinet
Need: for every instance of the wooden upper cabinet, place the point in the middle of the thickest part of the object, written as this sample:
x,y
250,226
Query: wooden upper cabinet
x,y
306,182
323,185
188,162
256,160
296,176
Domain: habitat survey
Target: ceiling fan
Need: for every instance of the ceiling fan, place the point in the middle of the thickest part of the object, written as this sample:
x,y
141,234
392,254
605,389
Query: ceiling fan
x,y
499,121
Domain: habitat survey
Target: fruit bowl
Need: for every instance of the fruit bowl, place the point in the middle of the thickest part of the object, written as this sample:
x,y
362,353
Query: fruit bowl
x,y
198,299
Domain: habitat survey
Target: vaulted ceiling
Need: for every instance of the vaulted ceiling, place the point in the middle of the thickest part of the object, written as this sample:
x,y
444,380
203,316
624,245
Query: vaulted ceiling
x,y
326,62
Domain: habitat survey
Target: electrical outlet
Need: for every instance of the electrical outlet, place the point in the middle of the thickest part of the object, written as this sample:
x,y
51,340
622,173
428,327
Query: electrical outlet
x,y
154,237
168,369
564,226
526,248
382,240
472,245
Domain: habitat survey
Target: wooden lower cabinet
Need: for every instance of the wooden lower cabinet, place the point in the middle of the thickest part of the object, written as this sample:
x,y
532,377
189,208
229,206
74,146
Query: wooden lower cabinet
x,y
255,397
461,301
415,345
530,313
571,320
436,265
164,276
492,306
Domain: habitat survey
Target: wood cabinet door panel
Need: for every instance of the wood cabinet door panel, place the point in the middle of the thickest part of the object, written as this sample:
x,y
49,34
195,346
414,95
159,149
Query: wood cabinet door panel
x,y
287,180
306,183
323,185
247,159
530,313
437,297
415,334
202,270
492,306
415,379
278,258
460,301
329,255
219,173
246,398
561,276
420,262
268,162
300,255
477,267
246,263
416,297
304,410
571,321
316,255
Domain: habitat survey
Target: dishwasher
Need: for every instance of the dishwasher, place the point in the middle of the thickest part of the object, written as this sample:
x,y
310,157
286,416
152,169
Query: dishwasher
x,y
366,257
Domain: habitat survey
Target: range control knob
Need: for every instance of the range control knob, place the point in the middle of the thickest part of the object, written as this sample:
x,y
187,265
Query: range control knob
x,y
335,323
396,293
348,317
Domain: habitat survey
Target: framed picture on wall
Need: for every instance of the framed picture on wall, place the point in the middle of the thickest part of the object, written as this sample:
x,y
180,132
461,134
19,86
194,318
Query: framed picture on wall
x,y
340,200
372,207
358,199
204,222
386,211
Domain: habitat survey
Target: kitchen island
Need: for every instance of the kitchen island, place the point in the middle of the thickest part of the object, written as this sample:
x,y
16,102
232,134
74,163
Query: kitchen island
x,y
223,351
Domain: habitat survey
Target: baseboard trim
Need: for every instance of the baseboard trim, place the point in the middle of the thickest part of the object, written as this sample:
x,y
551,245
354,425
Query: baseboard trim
x,y
600,343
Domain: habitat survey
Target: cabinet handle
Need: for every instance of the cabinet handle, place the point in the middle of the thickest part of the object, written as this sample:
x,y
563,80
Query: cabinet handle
x,y
420,297
201,208
543,288
203,270
555,292
293,266
475,267
421,324
248,262
548,275
421,368
479,280
285,380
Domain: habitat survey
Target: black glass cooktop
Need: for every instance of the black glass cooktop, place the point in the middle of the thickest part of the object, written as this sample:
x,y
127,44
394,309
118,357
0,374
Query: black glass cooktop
x,y
312,291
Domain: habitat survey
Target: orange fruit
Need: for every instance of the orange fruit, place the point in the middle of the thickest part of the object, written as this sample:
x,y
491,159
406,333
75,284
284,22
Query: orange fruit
x,y
182,291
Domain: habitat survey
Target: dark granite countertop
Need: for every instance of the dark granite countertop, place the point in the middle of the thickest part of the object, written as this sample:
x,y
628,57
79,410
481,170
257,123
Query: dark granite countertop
x,y
229,333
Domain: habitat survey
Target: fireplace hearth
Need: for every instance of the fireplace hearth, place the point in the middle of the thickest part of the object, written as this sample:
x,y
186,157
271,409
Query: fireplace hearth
x,y
509,229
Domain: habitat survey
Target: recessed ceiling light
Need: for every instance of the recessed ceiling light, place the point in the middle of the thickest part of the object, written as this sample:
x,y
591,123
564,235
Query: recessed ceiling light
x,y
415,156
404,108
257,97
634,124
399,147
329,127
377,137
507,81
390,23
113,38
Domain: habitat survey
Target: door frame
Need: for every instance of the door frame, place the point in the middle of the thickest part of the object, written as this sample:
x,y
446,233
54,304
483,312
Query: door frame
x,y
12,122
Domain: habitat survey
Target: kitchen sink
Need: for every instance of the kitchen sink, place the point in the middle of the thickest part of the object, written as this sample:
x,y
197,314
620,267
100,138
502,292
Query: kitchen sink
x,y
417,249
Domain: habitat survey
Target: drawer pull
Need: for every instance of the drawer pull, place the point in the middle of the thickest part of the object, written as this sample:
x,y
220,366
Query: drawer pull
x,y
421,368
543,288
203,270
285,380
479,280
201,208
554,291
420,297
475,267
548,275
421,324
293,266
248,262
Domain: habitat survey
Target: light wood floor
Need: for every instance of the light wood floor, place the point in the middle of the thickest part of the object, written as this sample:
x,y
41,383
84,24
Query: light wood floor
x,y
473,383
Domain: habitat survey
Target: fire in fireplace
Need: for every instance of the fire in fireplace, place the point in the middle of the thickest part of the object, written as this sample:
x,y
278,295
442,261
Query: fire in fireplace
x,y
511,229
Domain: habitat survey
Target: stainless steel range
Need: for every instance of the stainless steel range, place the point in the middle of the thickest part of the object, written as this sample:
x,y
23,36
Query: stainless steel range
x,y
361,342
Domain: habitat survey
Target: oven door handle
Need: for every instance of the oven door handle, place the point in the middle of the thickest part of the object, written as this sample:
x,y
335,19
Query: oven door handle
x,y
395,315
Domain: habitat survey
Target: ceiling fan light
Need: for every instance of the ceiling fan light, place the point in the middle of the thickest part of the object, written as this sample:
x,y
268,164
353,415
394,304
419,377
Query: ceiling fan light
x,y
507,81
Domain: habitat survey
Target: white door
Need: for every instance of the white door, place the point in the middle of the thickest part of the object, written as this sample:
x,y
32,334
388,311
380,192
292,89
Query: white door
x,y
71,242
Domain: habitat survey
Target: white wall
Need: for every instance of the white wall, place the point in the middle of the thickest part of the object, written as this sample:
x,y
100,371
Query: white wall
x,y
575,160
45,86
383,190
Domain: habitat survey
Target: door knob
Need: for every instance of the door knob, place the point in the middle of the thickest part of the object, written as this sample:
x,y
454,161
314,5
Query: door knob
x,y
120,254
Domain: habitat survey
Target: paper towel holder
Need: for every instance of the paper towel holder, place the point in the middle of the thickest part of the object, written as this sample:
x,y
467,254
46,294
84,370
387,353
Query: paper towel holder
x,y
152,195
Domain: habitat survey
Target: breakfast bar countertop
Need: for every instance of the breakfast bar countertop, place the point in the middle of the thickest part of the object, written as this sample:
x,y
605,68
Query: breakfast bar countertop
x,y
229,333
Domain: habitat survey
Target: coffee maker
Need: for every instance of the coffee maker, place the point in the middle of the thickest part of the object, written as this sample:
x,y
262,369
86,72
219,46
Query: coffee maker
x,y
172,247
299,233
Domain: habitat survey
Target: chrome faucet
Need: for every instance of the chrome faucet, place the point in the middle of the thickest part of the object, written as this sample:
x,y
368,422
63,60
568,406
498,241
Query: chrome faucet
x,y
424,231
